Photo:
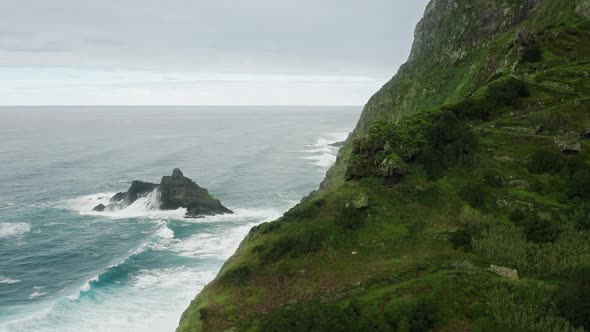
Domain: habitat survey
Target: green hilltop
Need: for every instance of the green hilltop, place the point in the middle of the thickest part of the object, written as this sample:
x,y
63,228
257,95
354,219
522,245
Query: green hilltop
x,y
460,202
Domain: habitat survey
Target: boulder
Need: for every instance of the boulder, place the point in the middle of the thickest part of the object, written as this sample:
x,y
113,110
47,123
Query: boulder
x,y
118,197
178,191
568,147
99,208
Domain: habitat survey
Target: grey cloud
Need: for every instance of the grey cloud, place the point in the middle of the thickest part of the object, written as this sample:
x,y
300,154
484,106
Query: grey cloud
x,y
306,36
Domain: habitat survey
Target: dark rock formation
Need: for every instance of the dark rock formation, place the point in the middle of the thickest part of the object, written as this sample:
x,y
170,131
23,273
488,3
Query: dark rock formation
x,y
179,191
175,191
118,197
99,208
138,189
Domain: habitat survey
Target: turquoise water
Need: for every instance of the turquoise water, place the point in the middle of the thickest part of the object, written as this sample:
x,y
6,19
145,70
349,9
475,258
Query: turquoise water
x,y
64,268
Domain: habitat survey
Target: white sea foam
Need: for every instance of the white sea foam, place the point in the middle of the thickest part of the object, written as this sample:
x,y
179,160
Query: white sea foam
x,y
322,160
322,153
165,233
8,281
240,214
37,292
13,229
87,285
219,245
36,295
169,277
143,207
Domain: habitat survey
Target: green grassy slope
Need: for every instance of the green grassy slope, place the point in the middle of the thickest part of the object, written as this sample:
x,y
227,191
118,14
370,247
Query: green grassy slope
x,y
460,202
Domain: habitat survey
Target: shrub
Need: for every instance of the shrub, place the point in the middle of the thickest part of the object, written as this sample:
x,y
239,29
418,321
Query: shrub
x,y
474,194
517,215
351,218
504,91
461,239
573,298
507,92
580,184
540,229
545,161
450,143
532,53
493,178
580,216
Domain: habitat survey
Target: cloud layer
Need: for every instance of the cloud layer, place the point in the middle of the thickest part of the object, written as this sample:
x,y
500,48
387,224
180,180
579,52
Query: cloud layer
x,y
191,48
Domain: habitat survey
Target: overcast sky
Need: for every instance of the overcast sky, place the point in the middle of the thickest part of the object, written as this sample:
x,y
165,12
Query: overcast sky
x,y
197,52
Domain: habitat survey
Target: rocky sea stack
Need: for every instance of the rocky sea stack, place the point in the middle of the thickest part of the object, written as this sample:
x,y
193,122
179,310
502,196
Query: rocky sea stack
x,y
173,192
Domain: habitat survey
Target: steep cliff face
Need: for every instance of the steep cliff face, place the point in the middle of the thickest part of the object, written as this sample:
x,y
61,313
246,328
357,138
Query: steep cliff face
x,y
458,46
460,201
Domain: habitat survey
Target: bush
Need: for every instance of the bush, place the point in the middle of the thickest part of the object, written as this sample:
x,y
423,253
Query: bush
x,y
546,161
580,216
573,299
580,185
500,92
540,229
461,239
450,142
532,53
474,194
517,215
507,92
351,218
493,178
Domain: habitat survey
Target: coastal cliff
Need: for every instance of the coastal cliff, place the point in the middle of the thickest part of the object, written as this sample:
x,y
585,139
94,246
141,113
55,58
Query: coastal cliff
x,y
461,201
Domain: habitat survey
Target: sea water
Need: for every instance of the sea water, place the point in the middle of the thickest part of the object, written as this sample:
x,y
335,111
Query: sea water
x,y
64,267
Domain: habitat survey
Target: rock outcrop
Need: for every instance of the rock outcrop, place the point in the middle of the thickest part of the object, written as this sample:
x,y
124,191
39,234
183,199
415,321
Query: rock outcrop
x,y
175,191
179,191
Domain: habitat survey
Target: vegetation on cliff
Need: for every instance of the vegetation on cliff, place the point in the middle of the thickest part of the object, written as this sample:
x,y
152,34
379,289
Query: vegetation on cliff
x,y
460,202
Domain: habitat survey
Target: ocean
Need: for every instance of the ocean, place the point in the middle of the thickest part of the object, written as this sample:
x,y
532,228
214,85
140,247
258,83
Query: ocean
x,y
66,268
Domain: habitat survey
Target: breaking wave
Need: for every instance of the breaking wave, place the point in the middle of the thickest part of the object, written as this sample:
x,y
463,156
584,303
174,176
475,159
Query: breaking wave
x,y
323,153
13,229
143,207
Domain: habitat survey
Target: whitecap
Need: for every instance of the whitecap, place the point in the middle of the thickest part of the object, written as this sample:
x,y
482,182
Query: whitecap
x,y
87,285
143,207
12,229
240,214
322,160
323,154
330,138
37,292
9,281
220,245
169,277
165,233
36,295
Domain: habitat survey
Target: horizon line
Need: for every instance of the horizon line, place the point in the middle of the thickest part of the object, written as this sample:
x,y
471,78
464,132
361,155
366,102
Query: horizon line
x,y
191,105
